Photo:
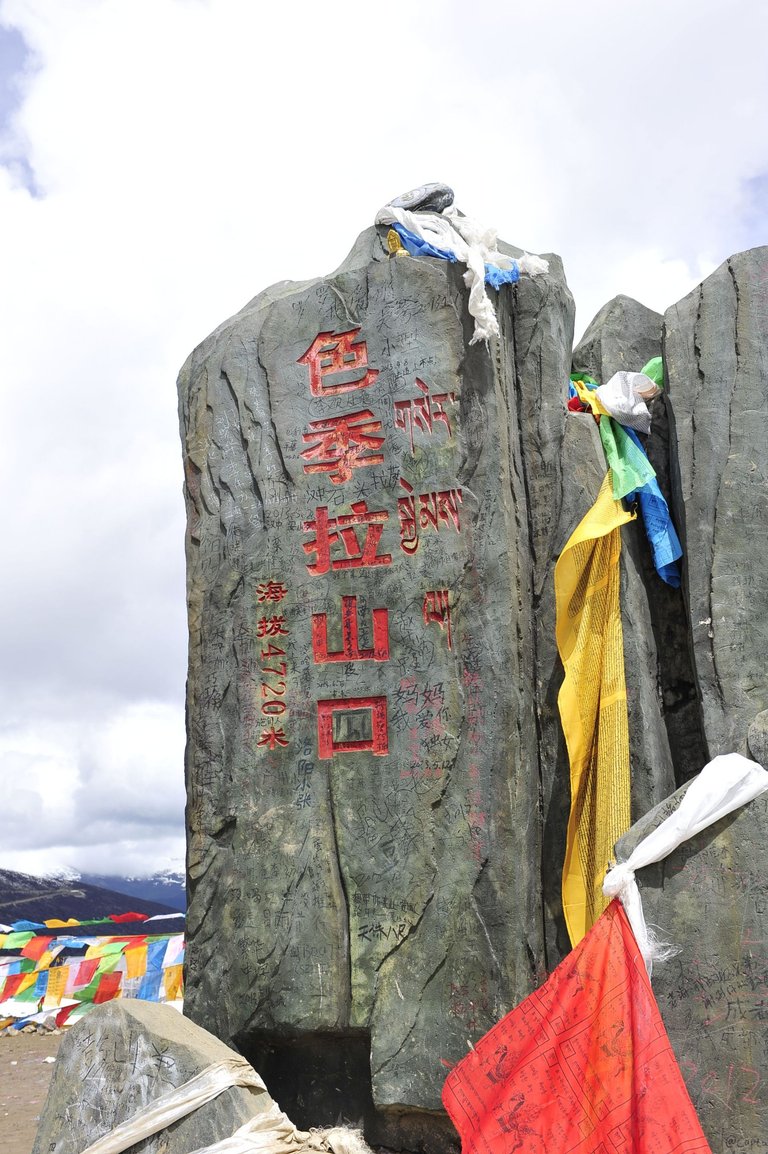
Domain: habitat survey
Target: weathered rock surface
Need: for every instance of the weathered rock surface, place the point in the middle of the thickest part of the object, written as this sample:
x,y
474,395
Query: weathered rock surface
x,y
121,1058
666,740
377,781
710,899
378,874
623,335
757,739
715,349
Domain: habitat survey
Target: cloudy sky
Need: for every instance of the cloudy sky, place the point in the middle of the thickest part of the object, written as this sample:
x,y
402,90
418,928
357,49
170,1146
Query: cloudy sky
x,y
161,161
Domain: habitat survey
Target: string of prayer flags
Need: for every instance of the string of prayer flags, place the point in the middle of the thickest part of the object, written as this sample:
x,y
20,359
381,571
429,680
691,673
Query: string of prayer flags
x,y
31,928
40,974
633,476
583,1065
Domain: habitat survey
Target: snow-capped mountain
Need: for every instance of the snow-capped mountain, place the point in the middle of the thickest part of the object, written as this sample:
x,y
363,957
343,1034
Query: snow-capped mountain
x,y
167,887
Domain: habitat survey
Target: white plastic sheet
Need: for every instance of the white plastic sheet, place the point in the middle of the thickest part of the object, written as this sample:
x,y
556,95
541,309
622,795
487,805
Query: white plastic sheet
x,y
473,245
724,784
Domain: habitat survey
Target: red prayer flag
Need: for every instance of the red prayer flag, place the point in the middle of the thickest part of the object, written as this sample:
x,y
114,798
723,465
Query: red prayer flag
x,y
130,917
86,971
11,985
583,1065
62,1015
35,948
108,987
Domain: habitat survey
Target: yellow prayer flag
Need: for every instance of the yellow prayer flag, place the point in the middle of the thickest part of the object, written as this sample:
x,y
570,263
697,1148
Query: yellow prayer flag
x,y
590,398
172,976
27,981
593,705
135,962
57,981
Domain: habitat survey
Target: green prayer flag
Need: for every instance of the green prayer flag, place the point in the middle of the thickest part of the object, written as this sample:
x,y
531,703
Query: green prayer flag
x,y
630,468
17,940
655,370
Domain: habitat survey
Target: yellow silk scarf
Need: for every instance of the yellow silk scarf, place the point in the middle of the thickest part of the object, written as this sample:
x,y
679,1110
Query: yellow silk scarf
x,y
593,705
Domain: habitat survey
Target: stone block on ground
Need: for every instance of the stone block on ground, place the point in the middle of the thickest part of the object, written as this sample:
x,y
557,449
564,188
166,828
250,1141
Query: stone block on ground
x,y
119,1059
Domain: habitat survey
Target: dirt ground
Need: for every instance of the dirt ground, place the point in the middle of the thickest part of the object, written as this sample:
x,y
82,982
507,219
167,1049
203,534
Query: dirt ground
x,y
24,1079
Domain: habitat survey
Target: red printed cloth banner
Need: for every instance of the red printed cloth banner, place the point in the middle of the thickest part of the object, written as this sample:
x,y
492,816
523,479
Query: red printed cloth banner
x,y
35,948
108,988
10,986
86,971
582,1066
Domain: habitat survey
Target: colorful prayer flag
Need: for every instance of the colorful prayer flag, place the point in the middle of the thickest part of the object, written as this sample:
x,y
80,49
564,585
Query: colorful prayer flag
x,y
583,1065
57,982
173,975
136,962
593,705
108,988
36,947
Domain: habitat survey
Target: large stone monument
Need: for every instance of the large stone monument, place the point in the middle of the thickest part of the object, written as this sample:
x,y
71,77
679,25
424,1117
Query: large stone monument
x,y
363,774
377,780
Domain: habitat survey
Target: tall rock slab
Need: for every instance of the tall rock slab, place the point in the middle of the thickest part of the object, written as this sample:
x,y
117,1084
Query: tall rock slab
x,y
709,898
666,739
715,352
368,519
623,335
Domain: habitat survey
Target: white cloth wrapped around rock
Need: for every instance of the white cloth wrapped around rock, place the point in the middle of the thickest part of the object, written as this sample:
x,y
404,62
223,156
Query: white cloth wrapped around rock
x,y
724,784
270,1132
474,246
624,396
256,1137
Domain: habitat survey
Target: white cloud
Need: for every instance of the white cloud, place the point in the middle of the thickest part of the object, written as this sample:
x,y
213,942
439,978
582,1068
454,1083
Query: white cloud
x,y
186,155
73,792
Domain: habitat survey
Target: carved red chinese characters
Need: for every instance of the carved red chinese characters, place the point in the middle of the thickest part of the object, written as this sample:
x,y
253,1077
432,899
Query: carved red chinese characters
x,y
331,532
343,444
350,650
377,743
338,363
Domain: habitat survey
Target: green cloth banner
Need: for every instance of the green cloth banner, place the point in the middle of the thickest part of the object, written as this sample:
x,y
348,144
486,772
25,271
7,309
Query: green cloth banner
x,y
630,468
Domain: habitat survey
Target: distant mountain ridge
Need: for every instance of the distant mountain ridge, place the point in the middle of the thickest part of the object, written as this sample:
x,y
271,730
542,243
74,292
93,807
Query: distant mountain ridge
x,y
166,887
27,898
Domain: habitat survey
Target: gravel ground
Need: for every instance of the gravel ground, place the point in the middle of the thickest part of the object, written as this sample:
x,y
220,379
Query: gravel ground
x,y
24,1079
